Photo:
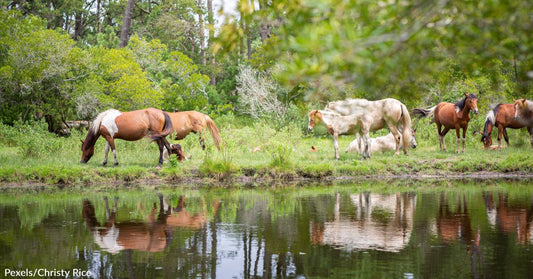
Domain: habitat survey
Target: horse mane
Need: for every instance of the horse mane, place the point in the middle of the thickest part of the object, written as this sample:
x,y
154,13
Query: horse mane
x,y
98,120
461,104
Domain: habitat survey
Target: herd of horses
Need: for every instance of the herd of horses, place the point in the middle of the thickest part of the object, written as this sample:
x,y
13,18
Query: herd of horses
x,y
347,117
358,117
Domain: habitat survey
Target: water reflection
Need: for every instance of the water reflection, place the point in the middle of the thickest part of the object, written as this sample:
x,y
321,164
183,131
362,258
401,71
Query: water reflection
x,y
379,222
283,233
511,218
153,235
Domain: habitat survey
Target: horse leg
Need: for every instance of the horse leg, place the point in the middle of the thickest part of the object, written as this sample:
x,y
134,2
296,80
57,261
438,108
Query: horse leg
x,y
106,153
336,144
530,131
500,131
464,137
441,137
458,134
505,136
366,140
161,146
394,130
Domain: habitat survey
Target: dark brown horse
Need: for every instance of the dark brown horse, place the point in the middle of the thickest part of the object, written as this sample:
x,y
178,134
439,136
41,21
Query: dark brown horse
x,y
451,116
524,115
131,126
501,116
185,122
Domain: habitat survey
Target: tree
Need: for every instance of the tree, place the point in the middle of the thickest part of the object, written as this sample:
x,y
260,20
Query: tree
x,y
126,23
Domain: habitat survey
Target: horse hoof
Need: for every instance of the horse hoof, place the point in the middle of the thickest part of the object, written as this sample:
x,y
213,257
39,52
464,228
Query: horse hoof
x,y
103,164
115,164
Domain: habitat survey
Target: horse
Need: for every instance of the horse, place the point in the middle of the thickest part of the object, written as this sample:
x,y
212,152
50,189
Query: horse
x,y
381,144
389,112
338,124
174,149
501,116
524,115
185,122
451,116
131,126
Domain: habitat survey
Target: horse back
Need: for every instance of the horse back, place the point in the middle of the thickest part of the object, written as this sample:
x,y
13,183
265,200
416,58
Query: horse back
x,y
505,117
134,125
446,114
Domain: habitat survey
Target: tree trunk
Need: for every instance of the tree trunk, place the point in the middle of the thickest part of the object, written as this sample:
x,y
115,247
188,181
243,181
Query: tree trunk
x,y
78,25
126,24
202,37
211,21
98,23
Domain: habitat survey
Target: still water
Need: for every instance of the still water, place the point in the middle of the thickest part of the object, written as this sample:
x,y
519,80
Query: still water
x,y
422,229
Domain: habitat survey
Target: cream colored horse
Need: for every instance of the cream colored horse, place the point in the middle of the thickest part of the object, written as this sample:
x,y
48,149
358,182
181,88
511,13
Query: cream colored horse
x,y
380,144
389,113
524,115
357,123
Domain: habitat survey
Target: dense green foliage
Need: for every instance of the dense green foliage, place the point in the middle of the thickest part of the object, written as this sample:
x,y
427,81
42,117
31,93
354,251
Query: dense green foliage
x,y
59,60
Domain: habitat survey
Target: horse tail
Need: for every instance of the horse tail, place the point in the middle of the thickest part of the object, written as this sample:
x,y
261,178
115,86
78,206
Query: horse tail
x,y
166,130
407,131
213,130
420,112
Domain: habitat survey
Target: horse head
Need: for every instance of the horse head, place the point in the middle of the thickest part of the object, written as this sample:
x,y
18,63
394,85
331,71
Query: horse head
x,y
314,117
413,142
471,102
518,107
176,149
87,151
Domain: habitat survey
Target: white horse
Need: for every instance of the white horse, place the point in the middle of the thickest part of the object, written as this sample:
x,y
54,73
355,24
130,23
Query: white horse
x,y
388,112
524,115
357,123
380,144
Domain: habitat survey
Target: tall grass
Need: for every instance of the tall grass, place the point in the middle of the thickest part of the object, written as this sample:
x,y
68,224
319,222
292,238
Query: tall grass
x,y
259,150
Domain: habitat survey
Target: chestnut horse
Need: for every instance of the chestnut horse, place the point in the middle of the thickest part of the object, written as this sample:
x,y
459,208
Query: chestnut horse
x,y
185,122
451,116
131,126
524,115
501,116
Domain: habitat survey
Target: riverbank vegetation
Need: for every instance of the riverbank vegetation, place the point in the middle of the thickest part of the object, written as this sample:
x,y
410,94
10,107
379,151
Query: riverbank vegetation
x,y
252,152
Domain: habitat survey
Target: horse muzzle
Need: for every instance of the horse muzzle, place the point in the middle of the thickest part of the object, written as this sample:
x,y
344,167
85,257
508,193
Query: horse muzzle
x,y
476,111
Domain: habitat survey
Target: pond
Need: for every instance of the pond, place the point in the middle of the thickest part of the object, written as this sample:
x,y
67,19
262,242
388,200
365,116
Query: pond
x,y
372,229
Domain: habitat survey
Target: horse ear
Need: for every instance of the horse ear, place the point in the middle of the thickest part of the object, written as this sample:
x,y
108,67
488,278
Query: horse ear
x,y
82,141
523,101
466,94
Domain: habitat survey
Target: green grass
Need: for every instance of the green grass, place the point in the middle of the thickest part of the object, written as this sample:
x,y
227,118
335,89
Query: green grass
x,y
257,152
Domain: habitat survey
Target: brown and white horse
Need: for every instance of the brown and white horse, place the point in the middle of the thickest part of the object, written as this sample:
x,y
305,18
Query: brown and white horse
x,y
185,122
131,126
524,115
501,116
451,116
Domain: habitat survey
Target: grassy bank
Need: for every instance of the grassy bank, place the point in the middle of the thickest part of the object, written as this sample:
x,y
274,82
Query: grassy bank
x,y
255,152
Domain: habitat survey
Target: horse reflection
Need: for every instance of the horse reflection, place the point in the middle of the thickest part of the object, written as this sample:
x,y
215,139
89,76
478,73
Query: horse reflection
x,y
453,226
381,222
511,218
153,235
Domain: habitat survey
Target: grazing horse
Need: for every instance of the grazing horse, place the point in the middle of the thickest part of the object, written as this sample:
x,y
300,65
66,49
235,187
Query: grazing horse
x,y
524,115
501,116
389,112
131,126
451,116
343,125
381,144
185,122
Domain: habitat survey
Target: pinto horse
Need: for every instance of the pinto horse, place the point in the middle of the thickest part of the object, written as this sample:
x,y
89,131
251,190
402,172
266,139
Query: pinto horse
x,y
388,112
358,123
451,116
185,122
381,144
501,116
524,115
131,126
